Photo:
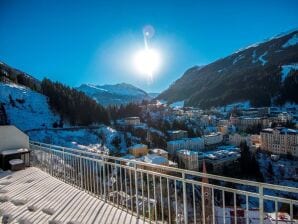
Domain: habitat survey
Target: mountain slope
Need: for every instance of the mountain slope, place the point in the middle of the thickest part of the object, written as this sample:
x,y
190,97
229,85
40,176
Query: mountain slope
x,y
262,74
25,108
114,94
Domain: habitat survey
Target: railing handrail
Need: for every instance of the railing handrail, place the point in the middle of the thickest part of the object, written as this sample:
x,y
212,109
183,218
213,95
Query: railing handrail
x,y
183,172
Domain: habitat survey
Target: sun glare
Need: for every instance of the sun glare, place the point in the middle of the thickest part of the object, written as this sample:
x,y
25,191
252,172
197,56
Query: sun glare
x,y
147,61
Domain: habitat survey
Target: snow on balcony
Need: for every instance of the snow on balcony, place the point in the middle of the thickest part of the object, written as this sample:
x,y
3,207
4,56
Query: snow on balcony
x,y
33,196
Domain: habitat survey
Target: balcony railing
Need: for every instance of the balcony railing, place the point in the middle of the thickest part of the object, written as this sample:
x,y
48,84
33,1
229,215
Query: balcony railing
x,y
165,194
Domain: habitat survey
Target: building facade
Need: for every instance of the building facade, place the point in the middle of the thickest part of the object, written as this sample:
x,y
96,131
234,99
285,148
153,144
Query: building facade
x,y
213,138
177,134
280,141
138,150
188,159
132,121
195,144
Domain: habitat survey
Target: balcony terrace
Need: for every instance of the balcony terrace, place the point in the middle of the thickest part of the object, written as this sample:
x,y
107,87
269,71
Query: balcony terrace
x,y
65,185
34,196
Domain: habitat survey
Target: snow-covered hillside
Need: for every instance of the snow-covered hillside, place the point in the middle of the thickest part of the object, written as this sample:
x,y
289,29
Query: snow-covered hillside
x,y
29,111
26,109
114,94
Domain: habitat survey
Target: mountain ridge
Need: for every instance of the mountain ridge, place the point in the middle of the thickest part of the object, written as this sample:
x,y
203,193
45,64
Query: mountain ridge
x,y
109,94
253,74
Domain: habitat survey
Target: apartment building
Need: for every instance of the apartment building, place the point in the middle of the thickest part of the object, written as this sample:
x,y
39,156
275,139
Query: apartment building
x,y
280,141
177,134
188,159
213,138
195,144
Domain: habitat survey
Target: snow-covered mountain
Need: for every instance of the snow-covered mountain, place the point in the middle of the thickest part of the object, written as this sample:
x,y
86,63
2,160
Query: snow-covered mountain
x,y
262,74
117,94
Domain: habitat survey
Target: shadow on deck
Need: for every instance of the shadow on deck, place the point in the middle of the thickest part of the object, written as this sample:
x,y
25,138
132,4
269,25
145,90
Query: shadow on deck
x,y
33,196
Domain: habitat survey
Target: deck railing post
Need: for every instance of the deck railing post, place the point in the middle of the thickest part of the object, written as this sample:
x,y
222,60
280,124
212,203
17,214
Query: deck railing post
x,y
184,199
261,203
63,153
81,170
104,179
136,186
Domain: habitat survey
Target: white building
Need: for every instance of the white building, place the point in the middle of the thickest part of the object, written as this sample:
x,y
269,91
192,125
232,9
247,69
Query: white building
x,y
222,156
132,121
213,138
177,134
195,144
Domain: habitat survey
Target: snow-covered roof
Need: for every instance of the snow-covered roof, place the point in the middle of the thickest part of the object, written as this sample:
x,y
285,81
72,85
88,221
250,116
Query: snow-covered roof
x,y
187,152
183,140
157,151
213,134
176,131
282,130
155,159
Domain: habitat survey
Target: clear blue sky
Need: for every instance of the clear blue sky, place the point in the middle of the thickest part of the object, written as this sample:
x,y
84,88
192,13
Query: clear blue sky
x,y
93,41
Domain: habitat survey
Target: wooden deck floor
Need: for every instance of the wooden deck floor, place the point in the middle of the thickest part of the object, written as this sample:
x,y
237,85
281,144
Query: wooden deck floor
x,y
33,196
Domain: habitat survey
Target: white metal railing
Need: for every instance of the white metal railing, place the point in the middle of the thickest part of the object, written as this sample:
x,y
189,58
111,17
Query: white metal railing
x,y
166,194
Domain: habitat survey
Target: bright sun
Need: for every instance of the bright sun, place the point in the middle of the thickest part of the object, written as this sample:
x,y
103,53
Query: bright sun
x,y
147,61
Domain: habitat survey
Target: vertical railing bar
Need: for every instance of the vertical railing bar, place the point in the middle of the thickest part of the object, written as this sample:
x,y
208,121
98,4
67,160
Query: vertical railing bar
x,y
126,194
77,171
97,180
112,183
70,170
85,165
235,207
137,195
276,211
130,192
176,202
261,204
213,206
88,175
148,194
155,200
291,211
117,190
143,203
101,178
194,203
169,200
224,206
94,176
161,199
81,171
104,180
203,204
185,212
121,187
247,209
